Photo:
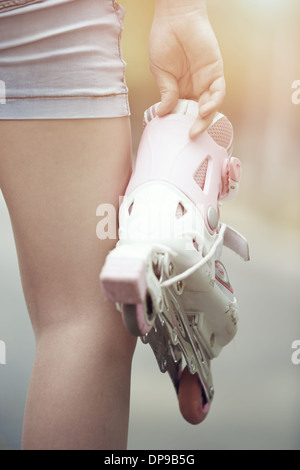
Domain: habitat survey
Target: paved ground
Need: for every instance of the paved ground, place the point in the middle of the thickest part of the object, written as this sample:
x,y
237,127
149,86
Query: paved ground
x,y
256,405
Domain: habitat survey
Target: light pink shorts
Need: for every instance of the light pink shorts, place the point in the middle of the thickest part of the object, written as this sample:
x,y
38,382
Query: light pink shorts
x,y
61,59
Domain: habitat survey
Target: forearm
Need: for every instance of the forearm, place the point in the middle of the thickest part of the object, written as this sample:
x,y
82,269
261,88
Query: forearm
x,y
171,7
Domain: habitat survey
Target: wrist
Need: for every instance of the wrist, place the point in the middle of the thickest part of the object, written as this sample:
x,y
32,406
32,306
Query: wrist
x,y
175,7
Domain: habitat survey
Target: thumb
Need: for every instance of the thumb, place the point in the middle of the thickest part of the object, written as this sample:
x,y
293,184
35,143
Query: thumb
x,y
169,93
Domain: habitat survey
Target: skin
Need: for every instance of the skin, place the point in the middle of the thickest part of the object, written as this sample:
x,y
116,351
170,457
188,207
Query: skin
x,y
53,175
189,65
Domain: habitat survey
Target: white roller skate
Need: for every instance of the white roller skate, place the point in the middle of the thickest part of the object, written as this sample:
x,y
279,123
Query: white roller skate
x,y
165,273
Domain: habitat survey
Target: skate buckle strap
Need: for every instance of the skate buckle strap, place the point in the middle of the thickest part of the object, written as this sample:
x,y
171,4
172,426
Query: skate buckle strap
x,y
236,242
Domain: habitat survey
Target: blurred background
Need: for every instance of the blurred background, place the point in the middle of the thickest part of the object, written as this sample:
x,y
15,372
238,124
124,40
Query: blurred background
x,y
257,400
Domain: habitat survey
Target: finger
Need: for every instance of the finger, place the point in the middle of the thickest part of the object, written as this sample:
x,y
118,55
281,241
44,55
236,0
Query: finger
x,y
169,93
208,104
200,125
207,109
213,99
218,90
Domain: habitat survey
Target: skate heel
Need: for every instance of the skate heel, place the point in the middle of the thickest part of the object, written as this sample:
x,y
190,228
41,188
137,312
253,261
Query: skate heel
x,y
128,279
124,280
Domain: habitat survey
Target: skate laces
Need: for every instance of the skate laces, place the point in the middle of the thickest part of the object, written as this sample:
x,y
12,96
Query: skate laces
x,y
188,272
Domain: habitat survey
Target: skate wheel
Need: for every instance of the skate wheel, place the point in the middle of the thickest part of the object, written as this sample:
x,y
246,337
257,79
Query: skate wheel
x,y
139,318
192,404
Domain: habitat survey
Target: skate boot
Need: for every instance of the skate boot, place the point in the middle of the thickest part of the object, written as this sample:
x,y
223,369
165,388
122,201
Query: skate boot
x,y
165,273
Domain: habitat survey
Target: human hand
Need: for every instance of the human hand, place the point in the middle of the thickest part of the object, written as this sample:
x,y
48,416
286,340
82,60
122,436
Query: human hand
x,y
185,59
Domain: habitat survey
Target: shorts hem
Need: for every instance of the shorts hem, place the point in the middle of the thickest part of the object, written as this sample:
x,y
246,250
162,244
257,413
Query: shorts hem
x,y
65,107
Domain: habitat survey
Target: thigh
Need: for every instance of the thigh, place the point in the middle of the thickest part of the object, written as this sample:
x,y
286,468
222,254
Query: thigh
x,y
54,175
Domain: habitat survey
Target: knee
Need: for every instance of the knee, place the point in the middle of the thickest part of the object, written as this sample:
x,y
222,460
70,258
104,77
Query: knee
x,y
83,331
85,346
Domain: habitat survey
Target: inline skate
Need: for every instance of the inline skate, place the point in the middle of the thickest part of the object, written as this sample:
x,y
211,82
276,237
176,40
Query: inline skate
x,y
165,274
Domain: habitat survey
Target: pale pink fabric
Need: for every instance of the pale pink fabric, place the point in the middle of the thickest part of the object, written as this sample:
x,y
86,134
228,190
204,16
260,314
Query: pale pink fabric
x,y
61,59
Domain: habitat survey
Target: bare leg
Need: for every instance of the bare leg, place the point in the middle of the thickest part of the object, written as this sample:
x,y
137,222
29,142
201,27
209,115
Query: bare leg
x,y
53,175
